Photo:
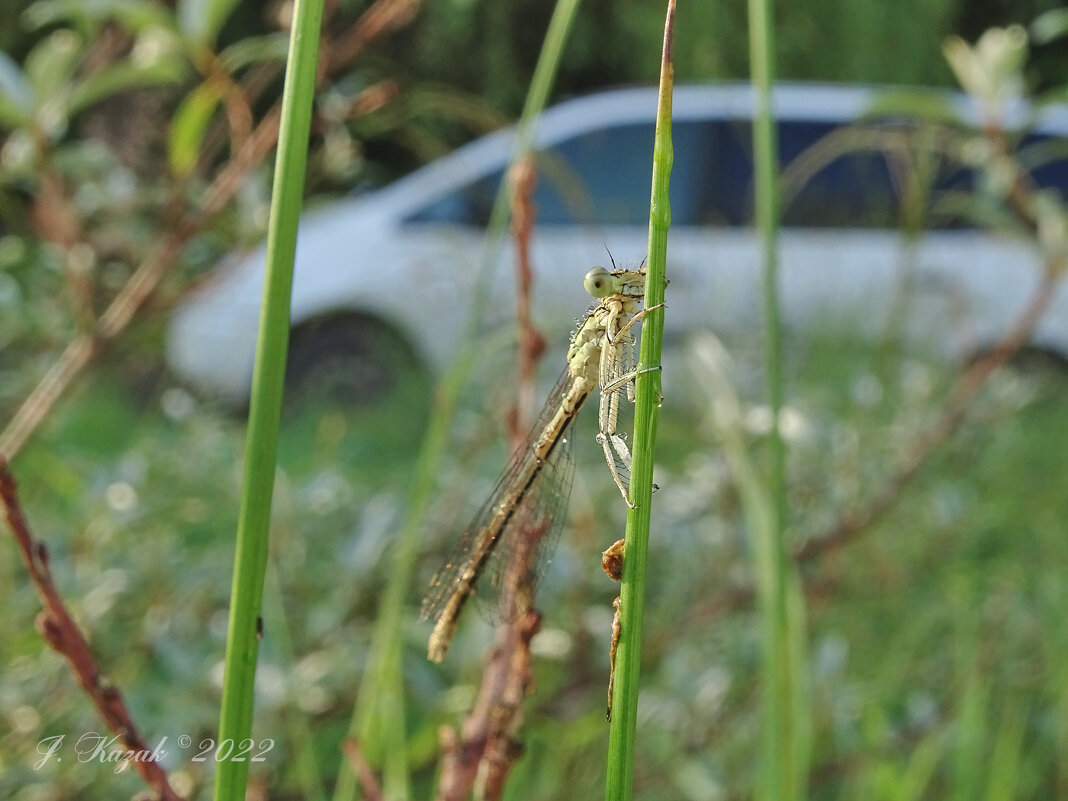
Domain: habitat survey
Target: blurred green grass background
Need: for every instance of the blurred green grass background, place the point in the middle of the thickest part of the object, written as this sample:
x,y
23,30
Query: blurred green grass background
x,y
936,639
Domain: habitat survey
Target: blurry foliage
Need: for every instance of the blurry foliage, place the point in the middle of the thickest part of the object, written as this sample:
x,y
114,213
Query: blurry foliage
x,y
823,40
118,116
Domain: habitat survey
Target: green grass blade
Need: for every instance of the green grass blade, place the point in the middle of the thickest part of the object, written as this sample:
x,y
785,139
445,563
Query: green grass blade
x,y
1006,760
785,757
242,645
305,759
765,168
620,779
786,722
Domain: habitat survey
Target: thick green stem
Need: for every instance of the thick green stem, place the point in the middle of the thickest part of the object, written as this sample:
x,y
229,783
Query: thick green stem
x,y
620,780
250,561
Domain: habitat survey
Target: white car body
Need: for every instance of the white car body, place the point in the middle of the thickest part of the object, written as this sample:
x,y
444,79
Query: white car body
x,y
386,255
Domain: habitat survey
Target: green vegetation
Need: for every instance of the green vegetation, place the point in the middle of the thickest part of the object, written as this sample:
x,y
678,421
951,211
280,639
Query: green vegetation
x,y
948,612
783,769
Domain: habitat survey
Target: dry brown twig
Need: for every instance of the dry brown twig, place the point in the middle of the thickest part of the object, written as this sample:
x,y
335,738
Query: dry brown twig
x,y
372,789
482,758
61,632
965,389
523,177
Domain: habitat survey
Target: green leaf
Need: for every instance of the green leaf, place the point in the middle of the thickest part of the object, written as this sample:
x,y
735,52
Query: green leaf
x,y
188,126
122,76
1007,759
254,49
918,105
51,64
201,20
1049,26
16,96
89,15
981,209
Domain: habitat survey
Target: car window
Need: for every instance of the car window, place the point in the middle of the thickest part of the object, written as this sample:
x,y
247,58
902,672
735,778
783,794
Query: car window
x,y
469,205
855,189
597,178
601,178
1047,158
863,188
723,186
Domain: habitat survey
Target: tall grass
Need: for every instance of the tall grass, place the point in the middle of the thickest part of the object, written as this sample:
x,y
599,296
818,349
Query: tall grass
x,y
250,559
621,743
784,762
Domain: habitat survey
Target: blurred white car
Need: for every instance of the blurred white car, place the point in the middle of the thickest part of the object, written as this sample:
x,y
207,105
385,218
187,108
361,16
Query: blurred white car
x,y
387,275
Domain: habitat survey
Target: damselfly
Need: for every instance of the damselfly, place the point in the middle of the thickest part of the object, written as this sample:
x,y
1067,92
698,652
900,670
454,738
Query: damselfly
x,y
526,507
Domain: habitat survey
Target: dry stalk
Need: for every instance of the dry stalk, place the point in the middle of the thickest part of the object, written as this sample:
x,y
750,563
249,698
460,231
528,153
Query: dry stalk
x,y
55,623
61,632
361,769
482,758
858,519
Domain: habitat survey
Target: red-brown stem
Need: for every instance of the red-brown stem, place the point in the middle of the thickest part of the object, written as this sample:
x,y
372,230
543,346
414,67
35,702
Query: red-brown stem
x,y
63,635
964,390
372,789
523,177
858,519
488,747
967,385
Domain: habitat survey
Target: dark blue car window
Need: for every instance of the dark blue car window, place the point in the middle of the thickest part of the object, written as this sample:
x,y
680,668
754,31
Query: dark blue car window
x,y
598,178
854,190
601,178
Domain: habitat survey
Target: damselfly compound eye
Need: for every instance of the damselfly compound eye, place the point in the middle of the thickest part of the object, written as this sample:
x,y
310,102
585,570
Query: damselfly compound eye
x,y
600,283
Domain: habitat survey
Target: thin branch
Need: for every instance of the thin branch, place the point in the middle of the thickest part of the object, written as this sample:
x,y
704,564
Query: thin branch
x,y
484,756
966,387
382,17
523,177
361,769
63,635
858,519
487,750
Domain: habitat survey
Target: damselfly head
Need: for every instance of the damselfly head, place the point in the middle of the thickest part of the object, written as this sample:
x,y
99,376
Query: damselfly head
x,y
601,283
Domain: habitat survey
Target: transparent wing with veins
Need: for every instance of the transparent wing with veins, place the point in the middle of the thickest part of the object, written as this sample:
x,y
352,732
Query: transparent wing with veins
x,y
535,523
